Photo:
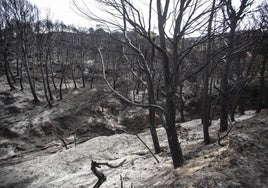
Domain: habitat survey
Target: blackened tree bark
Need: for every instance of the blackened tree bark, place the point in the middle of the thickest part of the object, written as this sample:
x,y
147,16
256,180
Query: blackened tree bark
x,y
263,27
170,86
73,76
5,40
24,14
49,53
262,85
5,57
181,103
206,97
52,74
63,68
44,85
171,59
232,19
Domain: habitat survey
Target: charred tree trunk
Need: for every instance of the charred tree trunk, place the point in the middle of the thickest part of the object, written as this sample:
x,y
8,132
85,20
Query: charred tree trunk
x,y
152,117
73,77
181,103
30,80
206,101
17,61
262,85
12,87
48,83
44,84
47,74
53,78
61,80
170,89
174,146
11,73
241,105
83,75
233,18
158,90
224,98
21,76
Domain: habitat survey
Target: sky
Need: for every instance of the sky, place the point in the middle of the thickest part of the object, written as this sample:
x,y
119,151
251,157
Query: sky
x,y
61,10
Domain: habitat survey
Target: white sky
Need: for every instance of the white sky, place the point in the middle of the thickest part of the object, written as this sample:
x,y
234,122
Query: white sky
x,y
61,10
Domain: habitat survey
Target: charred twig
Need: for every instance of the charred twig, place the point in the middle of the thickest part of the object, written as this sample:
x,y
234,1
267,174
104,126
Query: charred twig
x,y
113,166
121,180
61,139
147,148
101,177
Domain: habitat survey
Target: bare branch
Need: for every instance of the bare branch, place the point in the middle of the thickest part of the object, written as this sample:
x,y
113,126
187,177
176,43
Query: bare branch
x,y
126,100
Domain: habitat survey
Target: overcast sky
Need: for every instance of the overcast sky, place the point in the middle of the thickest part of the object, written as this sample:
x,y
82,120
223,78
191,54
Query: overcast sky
x,y
61,10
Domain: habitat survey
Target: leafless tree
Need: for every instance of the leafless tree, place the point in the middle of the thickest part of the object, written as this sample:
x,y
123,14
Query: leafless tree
x,y
262,25
174,20
24,15
5,39
231,18
208,59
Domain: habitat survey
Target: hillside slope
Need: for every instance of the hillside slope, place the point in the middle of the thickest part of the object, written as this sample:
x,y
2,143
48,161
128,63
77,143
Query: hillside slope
x,y
241,163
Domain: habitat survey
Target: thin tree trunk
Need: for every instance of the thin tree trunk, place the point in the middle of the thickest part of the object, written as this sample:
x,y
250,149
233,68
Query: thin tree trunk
x,y
73,76
233,17
241,105
170,88
83,77
61,80
12,87
181,103
152,115
11,74
30,80
44,84
262,86
224,99
21,76
47,81
174,146
17,61
206,95
91,82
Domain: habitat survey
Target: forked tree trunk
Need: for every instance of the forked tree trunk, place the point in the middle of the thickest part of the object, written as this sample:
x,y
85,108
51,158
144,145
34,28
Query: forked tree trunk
x,y
233,17
170,88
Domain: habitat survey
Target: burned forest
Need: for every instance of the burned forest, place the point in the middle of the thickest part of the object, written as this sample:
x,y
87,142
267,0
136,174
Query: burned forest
x,y
149,94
